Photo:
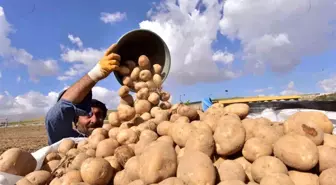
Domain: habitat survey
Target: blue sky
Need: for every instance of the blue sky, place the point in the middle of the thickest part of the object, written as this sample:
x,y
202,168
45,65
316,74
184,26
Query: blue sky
x,y
289,49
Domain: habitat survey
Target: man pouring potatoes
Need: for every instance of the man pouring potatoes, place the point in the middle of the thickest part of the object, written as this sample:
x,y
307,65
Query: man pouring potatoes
x,y
75,104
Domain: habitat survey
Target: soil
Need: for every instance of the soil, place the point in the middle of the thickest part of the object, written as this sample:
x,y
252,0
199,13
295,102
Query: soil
x,y
29,138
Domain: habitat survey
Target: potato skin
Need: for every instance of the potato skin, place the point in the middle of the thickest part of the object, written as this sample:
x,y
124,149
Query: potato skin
x,y
125,112
135,73
18,162
145,75
231,182
39,177
240,109
326,157
201,140
196,168
266,165
330,140
106,147
276,179
142,106
157,68
123,91
96,171
66,145
296,151
231,170
144,62
229,138
255,148
327,177
303,178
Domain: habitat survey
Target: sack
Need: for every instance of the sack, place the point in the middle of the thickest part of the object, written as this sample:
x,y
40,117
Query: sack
x,y
9,179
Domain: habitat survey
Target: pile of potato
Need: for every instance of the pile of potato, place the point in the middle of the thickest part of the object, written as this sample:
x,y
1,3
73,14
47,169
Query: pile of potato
x,y
149,141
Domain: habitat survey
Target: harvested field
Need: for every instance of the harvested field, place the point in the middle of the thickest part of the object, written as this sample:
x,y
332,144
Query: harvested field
x,y
29,138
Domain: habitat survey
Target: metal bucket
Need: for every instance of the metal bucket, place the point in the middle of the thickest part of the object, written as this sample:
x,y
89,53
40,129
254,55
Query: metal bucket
x,y
144,42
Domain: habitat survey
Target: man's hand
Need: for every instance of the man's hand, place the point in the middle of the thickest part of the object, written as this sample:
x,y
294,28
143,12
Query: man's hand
x,y
108,63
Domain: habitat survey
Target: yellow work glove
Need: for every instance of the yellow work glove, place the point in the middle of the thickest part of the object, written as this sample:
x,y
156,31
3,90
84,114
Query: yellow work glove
x,y
108,63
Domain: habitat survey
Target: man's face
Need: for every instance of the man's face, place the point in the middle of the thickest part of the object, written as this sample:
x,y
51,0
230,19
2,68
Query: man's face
x,y
86,124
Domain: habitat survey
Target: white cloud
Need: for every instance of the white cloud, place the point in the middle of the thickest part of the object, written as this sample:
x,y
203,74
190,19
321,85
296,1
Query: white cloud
x,y
189,34
33,104
36,67
277,34
112,17
224,57
290,90
328,85
82,60
18,79
263,90
75,40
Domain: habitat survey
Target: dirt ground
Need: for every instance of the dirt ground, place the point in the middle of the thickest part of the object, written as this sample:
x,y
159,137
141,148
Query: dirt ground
x,y
29,138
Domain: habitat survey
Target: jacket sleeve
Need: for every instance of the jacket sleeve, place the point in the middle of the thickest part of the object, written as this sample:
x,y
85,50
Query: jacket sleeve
x,y
60,117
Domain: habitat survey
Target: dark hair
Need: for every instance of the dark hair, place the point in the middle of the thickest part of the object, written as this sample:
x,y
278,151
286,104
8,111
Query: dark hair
x,y
99,104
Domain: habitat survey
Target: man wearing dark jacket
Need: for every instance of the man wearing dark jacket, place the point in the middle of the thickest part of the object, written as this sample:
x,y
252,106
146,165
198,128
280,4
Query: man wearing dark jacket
x,y
75,104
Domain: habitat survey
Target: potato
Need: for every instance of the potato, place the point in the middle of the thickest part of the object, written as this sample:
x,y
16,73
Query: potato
x,y
154,98
165,105
224,119
185,110
171,181
135,73
163,128
231,170
113,162
326,157
255,148
50,166
241,109
142,94
232,182
107,127
137,182
155,110
66,145
83,145
201,140
196,168
123,91
130,64
39,177
146,137
94,140
247,167
151,85
91,152
303,178
124,71
318,118
166,139
100,131
121,178
145,75
249,125
157,162
279,127
60,172
218,162
252,183
157,68
174,117
17,162
306,128
229,138
266,132
150,124
329,140
165,96
114,132
106,147
22,181
296,151
140,85
327,177
72,152
77,161
144,62
142,106
73,176
132,168
157,79
126,112
201,126
127,136
180,132
146,116
51,156
113,119
126,80
123,153
276,179
96,171
266,165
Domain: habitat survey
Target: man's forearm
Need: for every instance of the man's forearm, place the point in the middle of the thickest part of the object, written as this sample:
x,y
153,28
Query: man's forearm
x,y
78,91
